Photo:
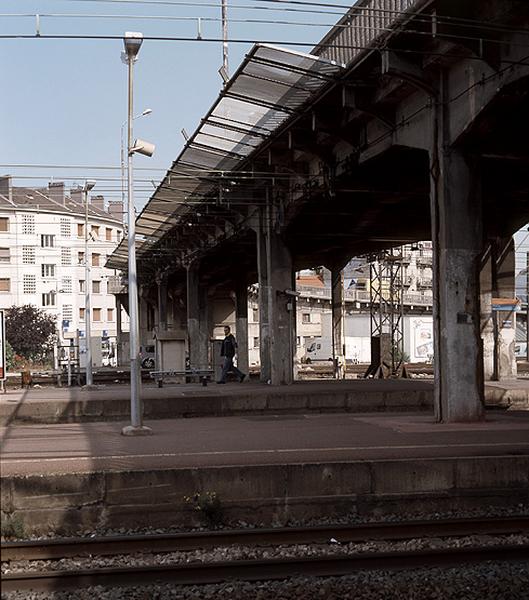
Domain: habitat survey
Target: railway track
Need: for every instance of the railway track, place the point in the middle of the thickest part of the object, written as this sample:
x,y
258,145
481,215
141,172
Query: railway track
x,y
252,570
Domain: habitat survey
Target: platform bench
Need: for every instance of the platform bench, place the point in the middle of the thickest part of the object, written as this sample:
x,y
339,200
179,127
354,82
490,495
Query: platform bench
x,y
204,375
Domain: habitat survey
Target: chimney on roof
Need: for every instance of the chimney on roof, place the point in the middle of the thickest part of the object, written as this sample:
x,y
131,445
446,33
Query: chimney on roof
x,y
56,191
98,202
115,209
6,187
76,195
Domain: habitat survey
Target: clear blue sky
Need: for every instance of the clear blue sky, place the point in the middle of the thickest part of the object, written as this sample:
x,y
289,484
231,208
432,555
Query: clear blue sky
x,y
64,100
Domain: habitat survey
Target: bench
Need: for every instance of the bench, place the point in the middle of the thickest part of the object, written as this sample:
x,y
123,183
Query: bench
x,y
204,375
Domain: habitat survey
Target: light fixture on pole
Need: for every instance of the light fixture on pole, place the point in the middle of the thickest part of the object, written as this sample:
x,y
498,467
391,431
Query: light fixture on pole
x,y
144,113
88,185
133,41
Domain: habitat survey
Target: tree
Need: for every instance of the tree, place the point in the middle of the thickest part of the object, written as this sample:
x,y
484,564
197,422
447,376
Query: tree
x,y
30,331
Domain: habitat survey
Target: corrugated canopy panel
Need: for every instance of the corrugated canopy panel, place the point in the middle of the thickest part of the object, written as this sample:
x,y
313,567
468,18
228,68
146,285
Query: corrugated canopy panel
x,y
271,84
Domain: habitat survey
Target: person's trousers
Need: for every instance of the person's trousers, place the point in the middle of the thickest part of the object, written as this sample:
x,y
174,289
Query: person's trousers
x,y
228,366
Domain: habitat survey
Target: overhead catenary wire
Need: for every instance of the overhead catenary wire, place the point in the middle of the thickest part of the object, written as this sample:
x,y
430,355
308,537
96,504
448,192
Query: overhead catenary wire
x,y
349,25
281,5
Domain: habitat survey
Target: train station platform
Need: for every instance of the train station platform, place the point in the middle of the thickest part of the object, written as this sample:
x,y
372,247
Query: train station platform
x,y
263,469
112,402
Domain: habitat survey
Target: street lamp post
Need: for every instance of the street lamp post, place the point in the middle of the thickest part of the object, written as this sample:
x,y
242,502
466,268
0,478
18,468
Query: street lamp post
x,y
89,184
133,41
144,113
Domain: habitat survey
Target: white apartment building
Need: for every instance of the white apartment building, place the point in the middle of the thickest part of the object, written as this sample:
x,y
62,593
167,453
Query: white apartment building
x,y
42,258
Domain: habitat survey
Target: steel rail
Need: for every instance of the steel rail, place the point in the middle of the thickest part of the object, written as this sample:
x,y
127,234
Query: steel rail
x,y
256,570
109,545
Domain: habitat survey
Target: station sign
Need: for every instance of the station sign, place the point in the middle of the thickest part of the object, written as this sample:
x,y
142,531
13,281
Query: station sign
x,y
3,367
506,304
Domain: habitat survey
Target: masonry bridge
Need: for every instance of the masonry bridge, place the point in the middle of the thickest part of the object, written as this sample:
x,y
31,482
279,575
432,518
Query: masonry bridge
x,y
407,122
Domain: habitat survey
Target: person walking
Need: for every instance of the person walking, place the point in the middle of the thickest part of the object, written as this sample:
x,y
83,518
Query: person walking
x,y
228,352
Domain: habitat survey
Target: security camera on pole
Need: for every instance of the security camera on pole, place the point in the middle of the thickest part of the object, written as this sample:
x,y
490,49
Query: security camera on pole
x,y
133,41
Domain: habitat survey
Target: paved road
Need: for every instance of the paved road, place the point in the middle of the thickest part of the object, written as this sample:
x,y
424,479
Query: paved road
x,y
260,440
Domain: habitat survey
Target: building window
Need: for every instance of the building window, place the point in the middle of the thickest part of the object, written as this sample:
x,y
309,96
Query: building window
x,y
81,285
80,230
66,284
5,284
95,260
255,313
29,284
96,287
67,312
81,314
256,342
305,317
110,314
4,223
66,257
28,224
298,340
47,241
28,255
66,228
95,231
80,258
97,314
48,299
48,270
108,234
5,255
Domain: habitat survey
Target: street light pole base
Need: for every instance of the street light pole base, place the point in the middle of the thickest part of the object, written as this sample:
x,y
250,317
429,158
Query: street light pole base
x,y
130,430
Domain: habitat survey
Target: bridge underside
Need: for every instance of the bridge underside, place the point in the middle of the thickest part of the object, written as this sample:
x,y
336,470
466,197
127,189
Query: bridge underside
x,y
425,139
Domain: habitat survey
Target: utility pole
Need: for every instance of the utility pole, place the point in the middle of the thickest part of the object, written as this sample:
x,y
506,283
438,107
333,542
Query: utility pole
x,y
225,37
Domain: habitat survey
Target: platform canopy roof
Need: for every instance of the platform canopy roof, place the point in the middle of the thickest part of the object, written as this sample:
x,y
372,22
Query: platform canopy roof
x,y
271,85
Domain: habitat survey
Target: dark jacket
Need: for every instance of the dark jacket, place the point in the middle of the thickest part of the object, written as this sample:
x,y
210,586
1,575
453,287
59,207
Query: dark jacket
x,y
229,346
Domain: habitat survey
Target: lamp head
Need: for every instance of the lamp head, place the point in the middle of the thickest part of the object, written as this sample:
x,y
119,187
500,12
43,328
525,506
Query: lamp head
x,y
147,111
89,184
132,41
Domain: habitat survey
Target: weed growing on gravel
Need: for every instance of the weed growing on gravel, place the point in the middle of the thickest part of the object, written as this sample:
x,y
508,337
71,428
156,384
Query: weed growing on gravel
x,y
12,526
209,506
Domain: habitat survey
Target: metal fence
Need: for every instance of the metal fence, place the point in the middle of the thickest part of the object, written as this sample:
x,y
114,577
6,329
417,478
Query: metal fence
x,y
366,21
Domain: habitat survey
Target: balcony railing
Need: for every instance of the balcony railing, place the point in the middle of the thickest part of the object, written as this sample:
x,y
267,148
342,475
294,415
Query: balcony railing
x,y
117,285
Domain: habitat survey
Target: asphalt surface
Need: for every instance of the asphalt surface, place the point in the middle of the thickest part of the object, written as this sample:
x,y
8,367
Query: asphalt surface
x,y
258,440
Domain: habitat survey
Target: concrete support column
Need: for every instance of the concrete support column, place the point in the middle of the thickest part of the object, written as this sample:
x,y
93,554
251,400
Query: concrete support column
x,y
338,322
119,332
487,323
457,240
505,366
161,282
281,306
241,325
145,312
197,318
276,305
264,292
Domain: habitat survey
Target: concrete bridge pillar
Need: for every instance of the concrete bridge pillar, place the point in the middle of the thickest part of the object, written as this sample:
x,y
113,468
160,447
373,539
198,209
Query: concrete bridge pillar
x,y
146,312
161,285
457,239
197,318
504,318
338,322
241,325
264,326
277,307
487,325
